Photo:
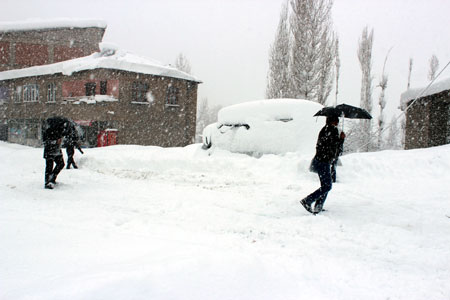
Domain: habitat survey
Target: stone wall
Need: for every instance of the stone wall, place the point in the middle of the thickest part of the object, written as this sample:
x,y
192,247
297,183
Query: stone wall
x,y
427,121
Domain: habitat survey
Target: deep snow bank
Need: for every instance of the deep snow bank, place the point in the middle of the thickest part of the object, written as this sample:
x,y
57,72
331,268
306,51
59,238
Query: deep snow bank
x,y
151,223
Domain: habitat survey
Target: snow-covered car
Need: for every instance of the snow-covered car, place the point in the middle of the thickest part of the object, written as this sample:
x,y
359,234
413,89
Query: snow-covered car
x,y
273,126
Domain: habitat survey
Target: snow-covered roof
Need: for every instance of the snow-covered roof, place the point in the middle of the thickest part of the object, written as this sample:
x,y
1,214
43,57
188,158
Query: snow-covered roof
x,y
268,110
37,24
435,88
106,59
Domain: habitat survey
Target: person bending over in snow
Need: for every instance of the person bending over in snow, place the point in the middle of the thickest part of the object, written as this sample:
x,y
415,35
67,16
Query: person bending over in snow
x,y
53,131
328,144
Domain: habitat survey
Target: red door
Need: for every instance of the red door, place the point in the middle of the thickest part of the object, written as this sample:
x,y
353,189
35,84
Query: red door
x,y
112,137
107,137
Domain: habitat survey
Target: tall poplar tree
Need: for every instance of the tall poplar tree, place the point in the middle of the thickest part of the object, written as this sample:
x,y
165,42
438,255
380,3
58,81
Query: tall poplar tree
x,y
338,69
278,79
409,73
312,45
382,103
365,60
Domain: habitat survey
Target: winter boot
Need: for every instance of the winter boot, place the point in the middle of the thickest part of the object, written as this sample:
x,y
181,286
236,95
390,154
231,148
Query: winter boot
x,y
49,186
52,179
306,205
318,208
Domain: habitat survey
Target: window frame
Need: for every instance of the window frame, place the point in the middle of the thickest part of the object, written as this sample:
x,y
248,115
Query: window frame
x,y
90,89
172,96
30,93
4,91
51,92
139,91
31,129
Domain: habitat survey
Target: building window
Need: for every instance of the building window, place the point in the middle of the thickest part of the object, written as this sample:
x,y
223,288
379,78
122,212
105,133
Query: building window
x,y
51,92
31,93
103,87
172,96
31,129
139,92
18,94
4,94
90,88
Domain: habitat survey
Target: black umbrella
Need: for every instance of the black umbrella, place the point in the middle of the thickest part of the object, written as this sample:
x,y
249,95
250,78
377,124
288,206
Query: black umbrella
x,y
344,110
55,128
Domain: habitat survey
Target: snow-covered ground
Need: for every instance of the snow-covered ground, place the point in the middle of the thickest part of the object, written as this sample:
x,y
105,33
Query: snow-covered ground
x,y
140,222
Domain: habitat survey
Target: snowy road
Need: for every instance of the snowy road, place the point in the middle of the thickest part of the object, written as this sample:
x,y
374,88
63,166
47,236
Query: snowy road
x,y
150,223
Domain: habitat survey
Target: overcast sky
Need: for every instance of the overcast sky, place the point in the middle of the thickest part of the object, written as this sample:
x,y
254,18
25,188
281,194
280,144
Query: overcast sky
x,y
227,41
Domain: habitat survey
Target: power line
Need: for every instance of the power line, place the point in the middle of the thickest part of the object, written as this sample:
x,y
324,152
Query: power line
x,y
411,103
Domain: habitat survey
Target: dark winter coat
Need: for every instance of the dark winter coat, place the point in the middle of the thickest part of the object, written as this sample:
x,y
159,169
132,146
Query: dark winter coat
x,y
72,139
328,144
52,132
52,149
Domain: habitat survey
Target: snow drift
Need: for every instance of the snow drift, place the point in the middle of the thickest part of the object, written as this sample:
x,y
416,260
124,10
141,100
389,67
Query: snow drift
x,y
140,222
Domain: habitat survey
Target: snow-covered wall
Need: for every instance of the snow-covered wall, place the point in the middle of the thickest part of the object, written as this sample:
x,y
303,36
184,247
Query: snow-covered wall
x,y
435,88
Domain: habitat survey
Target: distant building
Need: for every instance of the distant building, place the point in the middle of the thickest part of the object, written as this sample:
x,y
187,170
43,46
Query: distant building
x,y
115,97
428,118
28,44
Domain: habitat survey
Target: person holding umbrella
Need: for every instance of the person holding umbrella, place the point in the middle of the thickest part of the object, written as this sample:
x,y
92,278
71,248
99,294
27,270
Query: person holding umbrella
x,y
328,148
328,144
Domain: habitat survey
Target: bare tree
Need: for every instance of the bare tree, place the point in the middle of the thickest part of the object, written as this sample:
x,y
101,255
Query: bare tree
x,y
409,73
402,131
312,42
182,63
382,102
202,118
338,69
205,115
278,82
434,66
393,140
365,60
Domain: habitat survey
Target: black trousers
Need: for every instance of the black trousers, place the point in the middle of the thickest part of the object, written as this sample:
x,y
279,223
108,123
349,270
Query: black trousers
x,y
320,195
70,152
50,172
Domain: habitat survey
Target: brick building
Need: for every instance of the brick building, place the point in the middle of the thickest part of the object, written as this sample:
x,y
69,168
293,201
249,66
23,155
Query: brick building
x,y
110,94
428,117
29,44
